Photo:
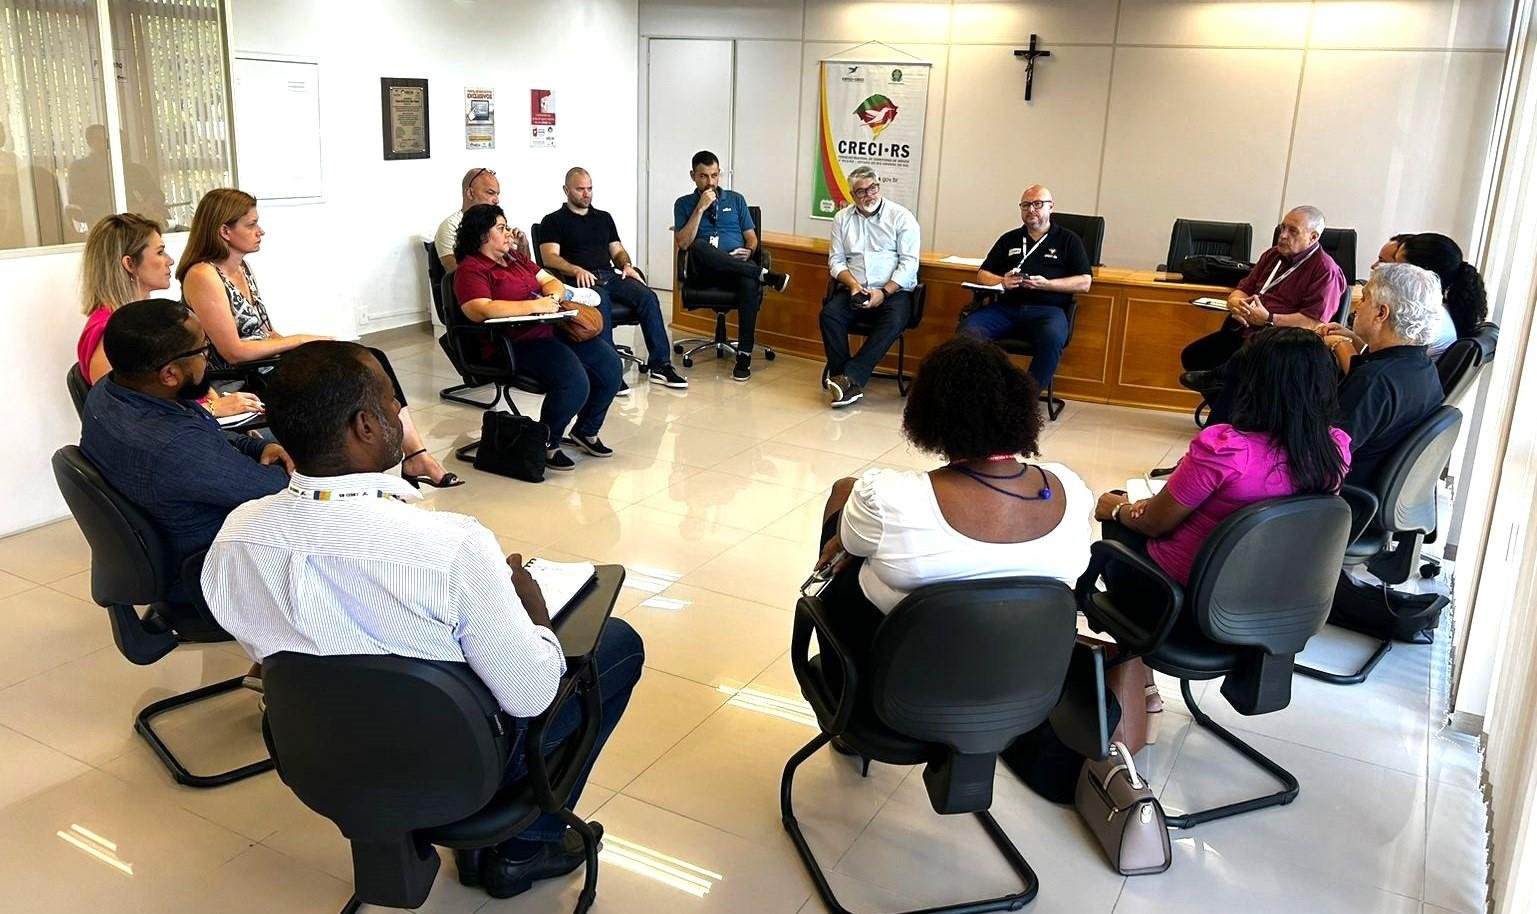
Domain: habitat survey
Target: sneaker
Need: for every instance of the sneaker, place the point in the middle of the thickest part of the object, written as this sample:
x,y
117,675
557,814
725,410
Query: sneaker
x,y
844,391
624,389
777,281
557,460
743,369
593,445
666,375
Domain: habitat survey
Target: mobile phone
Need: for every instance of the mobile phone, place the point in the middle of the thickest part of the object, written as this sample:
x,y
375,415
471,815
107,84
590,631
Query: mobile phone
x,y
824,573
859,299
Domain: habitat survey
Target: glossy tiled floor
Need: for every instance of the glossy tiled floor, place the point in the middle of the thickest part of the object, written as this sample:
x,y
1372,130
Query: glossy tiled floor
x,y
713,504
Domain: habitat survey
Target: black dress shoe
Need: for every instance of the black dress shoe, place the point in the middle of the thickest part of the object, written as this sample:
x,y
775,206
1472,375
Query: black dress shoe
x,y
1201,381
468,863
505,878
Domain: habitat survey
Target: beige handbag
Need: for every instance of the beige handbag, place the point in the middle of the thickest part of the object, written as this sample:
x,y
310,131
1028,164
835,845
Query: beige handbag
x,y
1123,814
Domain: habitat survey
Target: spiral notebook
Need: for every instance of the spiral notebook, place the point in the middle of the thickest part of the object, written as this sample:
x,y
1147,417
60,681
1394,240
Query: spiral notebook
x,y
561,582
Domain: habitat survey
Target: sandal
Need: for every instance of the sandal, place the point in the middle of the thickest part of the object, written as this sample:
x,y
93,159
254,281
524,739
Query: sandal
x,y
446,481
1154,699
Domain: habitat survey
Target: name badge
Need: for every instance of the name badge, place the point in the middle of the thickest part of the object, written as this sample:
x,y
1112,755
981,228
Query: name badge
x,y
714,241
1015,252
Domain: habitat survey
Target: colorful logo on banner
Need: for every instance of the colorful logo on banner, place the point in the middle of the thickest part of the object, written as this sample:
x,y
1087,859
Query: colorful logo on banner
x,y
877,112
870,114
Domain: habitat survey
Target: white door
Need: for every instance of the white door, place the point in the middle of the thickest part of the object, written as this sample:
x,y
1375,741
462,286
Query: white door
x,y
688,104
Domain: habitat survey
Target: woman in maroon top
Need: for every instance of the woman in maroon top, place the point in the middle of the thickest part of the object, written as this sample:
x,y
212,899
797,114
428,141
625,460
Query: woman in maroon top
x,y
579,379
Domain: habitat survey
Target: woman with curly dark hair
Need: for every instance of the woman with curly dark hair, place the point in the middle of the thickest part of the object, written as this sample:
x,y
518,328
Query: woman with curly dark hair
x,y
987,512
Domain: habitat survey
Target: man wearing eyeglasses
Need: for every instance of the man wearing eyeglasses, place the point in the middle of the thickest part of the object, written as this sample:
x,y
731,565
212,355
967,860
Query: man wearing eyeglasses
x,y
156,445
873,255
478,186
1040,267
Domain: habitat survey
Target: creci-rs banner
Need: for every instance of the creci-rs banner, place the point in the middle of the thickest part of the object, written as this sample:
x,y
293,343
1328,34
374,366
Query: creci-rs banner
x,y
872,114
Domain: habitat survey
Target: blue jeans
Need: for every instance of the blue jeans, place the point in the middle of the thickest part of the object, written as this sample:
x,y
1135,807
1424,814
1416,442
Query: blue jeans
x,y
889,320
579,379
1045,326
620,656
639,298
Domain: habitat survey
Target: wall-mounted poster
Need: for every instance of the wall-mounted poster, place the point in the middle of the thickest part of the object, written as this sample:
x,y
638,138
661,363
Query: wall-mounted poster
x,y
869,113
479,118
403,105
541,117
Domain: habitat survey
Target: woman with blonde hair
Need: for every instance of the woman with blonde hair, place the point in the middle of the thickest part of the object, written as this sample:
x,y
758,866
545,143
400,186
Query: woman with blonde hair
x,y
125,260
217,284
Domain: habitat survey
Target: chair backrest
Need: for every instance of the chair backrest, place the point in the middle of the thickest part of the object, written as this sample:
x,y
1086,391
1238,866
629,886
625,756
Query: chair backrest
x,y
1459,365
1195,236
383,745
435,277
1265,577
78,388
1406,481
533,243
130,564
1089,229
1339,243
973,664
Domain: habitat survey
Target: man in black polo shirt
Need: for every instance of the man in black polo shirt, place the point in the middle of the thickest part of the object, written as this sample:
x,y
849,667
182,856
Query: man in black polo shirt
x,y
1390,385
1040,266
582,245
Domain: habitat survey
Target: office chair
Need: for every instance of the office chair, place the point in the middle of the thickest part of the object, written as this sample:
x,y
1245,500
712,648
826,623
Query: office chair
x,y
863,325
482,355
957,671
1091,231
435,273
130,567
1394,516
695,296
1462,361
78,388
1194,236
427,771
621,314
1261,586
1339,243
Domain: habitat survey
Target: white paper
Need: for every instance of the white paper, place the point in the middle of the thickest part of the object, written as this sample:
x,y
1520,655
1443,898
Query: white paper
x,y
968,261
237,419
995,287
1210,304
529,318
560,582
1139,488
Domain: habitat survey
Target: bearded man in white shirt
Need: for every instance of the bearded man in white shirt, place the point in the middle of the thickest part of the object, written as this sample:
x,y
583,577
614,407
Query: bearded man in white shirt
x,y
342,562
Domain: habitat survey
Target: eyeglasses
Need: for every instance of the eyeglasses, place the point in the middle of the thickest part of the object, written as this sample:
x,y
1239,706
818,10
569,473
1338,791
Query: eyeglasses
x,y
869,190
202,350
1034,204
477,173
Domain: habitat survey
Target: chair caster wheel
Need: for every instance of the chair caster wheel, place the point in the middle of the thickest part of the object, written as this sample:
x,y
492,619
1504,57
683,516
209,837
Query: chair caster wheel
x,y
688,362
1430,570
768,355
677,348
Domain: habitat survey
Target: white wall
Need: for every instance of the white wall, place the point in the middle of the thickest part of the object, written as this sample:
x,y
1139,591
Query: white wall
x,y
1147,110
351,263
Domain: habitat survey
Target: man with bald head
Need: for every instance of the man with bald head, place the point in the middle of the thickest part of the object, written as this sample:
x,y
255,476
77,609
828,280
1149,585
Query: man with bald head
x,y
1294,284
1040,267
479,185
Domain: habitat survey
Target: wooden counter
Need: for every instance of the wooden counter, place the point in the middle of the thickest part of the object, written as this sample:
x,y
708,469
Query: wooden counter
x,y
1125,349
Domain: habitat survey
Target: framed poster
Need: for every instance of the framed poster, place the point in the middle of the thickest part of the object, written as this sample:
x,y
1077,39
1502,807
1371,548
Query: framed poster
x,y
403,106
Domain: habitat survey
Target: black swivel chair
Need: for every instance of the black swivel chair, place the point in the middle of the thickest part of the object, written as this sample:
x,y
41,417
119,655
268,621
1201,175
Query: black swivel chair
x,y
956,673
620,313
697,296
864,325
1091,231
482,355
1261,586
1194,236
78,388
435,273
428,772
1460,364
1394,517
131,567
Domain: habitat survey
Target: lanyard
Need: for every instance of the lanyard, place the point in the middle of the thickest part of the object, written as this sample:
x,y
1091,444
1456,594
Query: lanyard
x,y
1031,249
333,495
1273,280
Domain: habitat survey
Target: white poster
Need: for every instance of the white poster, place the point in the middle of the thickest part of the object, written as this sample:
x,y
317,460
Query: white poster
x,y
479,118
870,114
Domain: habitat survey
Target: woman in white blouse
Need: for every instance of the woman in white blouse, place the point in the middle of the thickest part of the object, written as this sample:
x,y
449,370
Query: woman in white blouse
x,y
987,512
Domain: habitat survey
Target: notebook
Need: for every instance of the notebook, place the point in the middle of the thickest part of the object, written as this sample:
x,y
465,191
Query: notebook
x,y
561,582
236,420
530,318
1140,487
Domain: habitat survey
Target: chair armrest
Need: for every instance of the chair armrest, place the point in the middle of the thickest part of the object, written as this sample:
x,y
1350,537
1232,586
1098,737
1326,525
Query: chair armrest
x,y
920,295
242,370
980,298
832,712
1135,637
566,763
1363,508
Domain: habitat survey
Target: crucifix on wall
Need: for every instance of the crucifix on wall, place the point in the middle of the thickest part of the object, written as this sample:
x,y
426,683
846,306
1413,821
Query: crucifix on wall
x,y
1030,54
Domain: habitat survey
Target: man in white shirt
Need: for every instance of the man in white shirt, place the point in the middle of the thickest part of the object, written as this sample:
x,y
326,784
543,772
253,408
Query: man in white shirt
x,y
342,562
479,185
874,256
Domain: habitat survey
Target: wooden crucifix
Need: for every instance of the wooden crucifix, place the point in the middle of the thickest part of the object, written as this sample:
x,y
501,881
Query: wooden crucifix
x,y
1030,54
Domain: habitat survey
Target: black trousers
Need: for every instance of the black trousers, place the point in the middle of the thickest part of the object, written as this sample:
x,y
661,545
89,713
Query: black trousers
x,y
853,617
712,266
1213,349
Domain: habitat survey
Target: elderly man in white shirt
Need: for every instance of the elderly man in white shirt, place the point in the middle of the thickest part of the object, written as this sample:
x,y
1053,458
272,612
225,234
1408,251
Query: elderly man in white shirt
x,y
874,256
342,562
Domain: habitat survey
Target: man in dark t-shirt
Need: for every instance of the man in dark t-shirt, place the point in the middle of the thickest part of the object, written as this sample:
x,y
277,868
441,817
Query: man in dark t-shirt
x,y
1040,267
582,246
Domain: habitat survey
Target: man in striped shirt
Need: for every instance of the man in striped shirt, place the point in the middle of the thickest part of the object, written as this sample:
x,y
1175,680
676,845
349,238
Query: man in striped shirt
x,y
342,562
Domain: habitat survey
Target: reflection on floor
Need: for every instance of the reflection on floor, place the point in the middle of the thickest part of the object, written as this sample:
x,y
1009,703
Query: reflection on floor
x,y
713,504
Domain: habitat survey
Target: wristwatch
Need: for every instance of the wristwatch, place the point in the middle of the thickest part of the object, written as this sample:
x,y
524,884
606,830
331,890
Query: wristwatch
x,y
1115,513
